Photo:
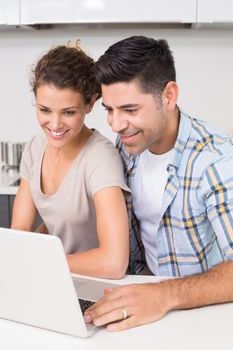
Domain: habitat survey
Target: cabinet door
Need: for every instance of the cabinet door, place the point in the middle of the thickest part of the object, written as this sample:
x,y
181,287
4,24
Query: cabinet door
x,y
11,202
210,11
4,211
9,12
107,11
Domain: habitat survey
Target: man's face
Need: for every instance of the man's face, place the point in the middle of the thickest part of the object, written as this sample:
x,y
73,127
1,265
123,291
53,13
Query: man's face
x,y
137,117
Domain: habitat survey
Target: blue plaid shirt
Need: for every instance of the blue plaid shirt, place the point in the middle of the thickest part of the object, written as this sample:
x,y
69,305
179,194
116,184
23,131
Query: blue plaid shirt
x,y
196,226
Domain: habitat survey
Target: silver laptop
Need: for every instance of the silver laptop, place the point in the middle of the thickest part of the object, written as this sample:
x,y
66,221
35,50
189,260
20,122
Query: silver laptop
x,y
36,286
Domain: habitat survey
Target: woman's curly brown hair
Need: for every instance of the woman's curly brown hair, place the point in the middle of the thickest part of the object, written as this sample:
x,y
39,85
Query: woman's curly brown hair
x,y
67,66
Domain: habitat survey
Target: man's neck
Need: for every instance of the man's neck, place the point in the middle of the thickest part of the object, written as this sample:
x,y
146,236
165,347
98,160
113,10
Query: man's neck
x,y
168,139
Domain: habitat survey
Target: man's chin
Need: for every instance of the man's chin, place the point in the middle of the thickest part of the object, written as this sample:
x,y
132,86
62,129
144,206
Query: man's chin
x,y
133,150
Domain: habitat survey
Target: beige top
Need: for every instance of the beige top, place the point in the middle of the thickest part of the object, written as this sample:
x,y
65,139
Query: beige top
x,y
70,212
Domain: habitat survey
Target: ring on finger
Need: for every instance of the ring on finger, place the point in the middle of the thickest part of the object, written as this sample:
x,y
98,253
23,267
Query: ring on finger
x,y
125,314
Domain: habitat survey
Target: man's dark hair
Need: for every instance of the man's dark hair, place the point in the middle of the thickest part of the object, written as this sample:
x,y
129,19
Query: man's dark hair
x,y
145,59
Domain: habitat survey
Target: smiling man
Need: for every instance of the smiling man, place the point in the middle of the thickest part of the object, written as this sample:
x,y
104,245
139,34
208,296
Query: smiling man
x,y
179,170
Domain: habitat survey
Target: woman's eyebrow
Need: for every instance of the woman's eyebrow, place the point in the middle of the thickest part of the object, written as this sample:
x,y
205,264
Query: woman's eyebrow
x,y
72,107
39,104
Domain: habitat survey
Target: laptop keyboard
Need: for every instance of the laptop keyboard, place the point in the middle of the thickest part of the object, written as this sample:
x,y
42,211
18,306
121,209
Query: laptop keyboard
x,y
85,304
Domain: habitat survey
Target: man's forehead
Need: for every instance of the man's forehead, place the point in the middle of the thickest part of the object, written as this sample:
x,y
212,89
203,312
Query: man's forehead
x,y
122,94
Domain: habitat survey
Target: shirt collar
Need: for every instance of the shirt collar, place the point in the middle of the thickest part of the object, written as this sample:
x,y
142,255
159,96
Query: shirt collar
x,y
182,139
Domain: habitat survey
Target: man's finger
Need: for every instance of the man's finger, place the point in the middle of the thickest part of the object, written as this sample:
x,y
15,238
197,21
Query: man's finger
x,y
123,325
118,314
101,308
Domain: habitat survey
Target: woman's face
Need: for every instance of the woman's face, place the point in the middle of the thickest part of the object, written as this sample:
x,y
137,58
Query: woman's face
x,y
60,113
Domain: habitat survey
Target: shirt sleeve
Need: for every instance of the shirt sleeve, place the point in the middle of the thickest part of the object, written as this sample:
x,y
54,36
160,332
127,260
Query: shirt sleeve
x,y
219,202
26,161
105,169
30,156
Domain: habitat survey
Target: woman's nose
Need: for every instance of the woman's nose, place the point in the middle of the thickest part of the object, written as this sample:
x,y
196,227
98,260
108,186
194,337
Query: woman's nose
x,y
56,122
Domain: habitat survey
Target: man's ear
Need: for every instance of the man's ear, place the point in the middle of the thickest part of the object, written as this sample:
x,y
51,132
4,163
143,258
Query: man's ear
x,y
170,95
90,105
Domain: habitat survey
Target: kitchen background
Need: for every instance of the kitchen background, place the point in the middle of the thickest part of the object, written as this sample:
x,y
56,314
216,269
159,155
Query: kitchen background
x,y
203,56
199,32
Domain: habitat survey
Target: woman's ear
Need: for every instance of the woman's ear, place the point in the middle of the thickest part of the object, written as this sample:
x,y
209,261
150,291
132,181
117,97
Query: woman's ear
x,y
170,95
90,105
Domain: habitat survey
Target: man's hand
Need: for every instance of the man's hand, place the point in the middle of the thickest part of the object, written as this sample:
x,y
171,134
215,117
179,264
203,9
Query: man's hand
x,y
137,304
129,306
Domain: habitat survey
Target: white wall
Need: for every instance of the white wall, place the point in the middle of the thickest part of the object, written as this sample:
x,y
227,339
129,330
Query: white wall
x,y
204,62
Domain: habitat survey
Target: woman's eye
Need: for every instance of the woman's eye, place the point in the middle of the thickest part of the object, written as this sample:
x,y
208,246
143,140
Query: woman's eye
x,y
69,113
43,110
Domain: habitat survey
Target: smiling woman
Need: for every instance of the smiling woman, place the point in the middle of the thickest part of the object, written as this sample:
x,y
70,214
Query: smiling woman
x,y
61,114
70,174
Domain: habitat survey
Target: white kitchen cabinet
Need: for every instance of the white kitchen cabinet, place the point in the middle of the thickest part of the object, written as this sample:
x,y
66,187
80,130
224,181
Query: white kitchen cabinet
x,y
107,11
9,12
215,11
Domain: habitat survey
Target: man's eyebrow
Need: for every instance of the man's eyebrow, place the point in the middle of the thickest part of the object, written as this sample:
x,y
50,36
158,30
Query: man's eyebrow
x,y
128,105
104,105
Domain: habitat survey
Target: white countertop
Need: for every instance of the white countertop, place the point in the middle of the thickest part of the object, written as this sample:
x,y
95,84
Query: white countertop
x,y
204,328
7,190
6,179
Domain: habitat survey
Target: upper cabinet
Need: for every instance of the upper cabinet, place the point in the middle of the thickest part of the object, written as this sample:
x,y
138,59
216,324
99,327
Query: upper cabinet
x,y
29,12
9,12
107,11
215,11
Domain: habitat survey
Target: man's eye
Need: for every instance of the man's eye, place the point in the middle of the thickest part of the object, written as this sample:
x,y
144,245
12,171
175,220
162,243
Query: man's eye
x,y
131,110
109,110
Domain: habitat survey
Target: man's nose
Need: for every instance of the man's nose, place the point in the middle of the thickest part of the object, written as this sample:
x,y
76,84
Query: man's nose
x,y
117,122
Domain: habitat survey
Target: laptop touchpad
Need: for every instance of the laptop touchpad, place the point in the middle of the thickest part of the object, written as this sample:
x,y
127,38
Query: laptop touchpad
x,y
91,289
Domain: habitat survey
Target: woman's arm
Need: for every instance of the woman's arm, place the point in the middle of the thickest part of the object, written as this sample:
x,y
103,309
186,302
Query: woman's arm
x,y
24,211
110,259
